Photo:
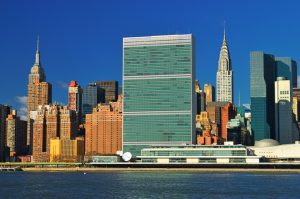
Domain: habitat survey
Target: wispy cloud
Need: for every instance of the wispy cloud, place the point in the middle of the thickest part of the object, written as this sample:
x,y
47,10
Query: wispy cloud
x,y
62,84
22,110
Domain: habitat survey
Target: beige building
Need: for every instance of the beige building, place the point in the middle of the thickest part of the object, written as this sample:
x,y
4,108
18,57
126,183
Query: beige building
x,y
296,95
15,136
295,107
209,91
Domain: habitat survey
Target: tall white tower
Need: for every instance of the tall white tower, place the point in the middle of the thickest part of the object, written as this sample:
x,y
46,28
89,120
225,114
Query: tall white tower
x,y
224,75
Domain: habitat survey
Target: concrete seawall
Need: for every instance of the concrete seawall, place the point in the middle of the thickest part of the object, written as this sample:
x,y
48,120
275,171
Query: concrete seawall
x,y
133,166
157,169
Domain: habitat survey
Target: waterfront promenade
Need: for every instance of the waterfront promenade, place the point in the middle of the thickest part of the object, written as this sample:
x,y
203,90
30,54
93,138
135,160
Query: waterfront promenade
x,y
86,167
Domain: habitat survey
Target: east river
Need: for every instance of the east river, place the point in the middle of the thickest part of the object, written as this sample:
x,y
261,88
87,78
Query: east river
x,y
149,184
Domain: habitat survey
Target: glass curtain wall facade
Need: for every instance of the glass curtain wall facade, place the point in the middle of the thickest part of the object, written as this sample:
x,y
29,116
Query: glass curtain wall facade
x,y
158,90
262,77
287,67
92,95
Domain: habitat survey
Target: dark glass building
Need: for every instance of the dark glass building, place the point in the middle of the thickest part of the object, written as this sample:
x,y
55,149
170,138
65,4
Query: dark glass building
x,y
92,95
201,102
111,90
287,67
262,77
264,70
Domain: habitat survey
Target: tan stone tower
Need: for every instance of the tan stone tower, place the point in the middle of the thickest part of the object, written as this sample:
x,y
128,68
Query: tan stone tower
x,y
39,93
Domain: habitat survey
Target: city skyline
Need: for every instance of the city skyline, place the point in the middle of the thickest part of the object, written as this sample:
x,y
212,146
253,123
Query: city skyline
x,y
74,48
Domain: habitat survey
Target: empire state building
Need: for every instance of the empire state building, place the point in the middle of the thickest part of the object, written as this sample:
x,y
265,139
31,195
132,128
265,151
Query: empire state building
x,y
224,75
39,93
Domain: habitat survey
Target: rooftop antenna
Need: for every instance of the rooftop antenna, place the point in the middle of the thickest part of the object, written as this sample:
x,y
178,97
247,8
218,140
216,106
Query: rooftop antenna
x,y
224,29
38,43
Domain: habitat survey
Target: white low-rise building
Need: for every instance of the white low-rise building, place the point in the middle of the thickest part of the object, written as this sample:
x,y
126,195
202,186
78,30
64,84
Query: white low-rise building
x,y
271,149
195,154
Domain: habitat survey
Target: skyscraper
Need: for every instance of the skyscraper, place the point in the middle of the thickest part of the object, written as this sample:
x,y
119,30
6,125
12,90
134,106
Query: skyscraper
x,y
92,95
111,90
264,70
4,112
286,131
209,91
159,91
15,136
200,98
39,93
287,67
262,77
224,75
75,99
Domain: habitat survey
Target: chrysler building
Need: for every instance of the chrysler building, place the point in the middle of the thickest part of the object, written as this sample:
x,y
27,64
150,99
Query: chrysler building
x,y
224,75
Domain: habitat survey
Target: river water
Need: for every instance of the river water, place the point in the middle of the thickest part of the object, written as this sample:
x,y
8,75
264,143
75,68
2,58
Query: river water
x,y
129,184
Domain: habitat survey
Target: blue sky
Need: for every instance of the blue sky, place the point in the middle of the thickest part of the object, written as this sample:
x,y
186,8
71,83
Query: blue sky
x,y
82,40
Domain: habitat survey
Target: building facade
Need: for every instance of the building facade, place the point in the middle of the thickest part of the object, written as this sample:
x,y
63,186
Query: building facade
x,y
215,115
264,70
209,91
295,107
296,97
227,112
218,154
224,75
92,95
51,121
234,132
262,78
159,91
111,90
16,132
4,112
286,130
201,98
287,67
75,99
39,93
67,150
104,130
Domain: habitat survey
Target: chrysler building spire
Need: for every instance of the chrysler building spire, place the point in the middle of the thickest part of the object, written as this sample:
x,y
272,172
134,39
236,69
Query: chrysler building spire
x,y
224,74
224,38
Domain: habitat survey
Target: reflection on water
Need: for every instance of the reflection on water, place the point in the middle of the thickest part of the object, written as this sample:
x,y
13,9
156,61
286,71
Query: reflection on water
x,y
149,185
